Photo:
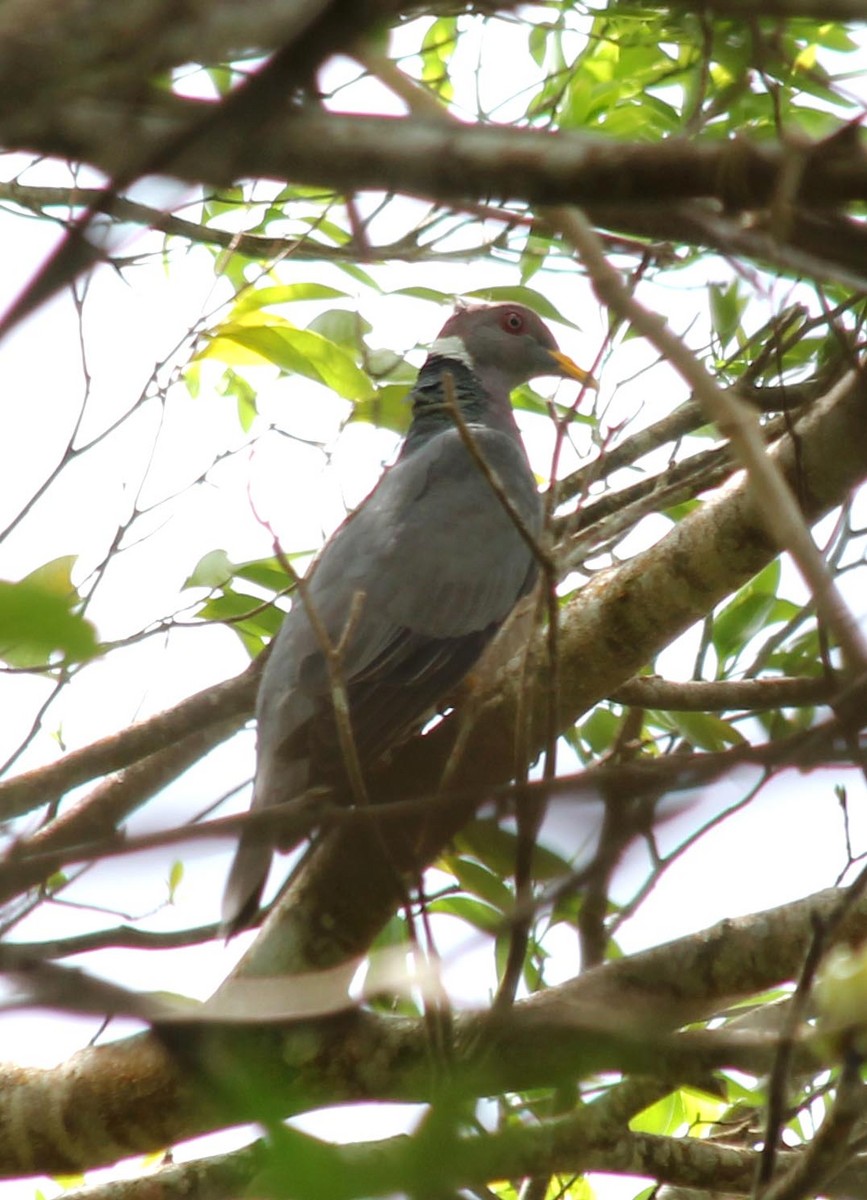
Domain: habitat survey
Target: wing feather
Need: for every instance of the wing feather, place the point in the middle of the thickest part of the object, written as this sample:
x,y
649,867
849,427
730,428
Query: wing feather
x,y
439,564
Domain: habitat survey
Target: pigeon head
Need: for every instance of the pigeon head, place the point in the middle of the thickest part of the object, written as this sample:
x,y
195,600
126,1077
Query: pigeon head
x,y
504,345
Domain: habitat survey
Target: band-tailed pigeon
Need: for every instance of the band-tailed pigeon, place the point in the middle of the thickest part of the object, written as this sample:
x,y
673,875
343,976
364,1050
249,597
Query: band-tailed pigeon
x,y
414,584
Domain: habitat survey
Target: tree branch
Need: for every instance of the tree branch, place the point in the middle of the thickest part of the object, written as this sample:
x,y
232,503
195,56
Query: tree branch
x,y
347,889
451,162
754,695
222,704
132,1097
735,420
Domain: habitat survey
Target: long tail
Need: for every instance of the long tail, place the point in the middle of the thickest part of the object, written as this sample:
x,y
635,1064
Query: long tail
x,y
246,883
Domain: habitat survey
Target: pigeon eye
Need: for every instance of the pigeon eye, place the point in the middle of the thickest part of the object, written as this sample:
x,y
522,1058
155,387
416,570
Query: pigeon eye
x,y
513,322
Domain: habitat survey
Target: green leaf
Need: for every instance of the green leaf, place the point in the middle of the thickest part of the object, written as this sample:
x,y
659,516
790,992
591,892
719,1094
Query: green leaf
x,y
379,974
707,731
222,78
295,351
254,621
662,1118
726,309
834,37
479,881
534,254
600,729
496,848
229,200
343,326
800,656
318,224
245,396
387,408
741,622
216,570
425,293
270,573
213,570
534,964
68,1182
384,363
523,295
266,297
475,912
567,909
679,1108
40,621
537,43
192,376
234,605
359,275
747,613
437,49
525,399
176,874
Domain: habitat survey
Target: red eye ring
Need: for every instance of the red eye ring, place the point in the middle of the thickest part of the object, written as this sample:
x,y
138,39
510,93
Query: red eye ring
x,y
513,322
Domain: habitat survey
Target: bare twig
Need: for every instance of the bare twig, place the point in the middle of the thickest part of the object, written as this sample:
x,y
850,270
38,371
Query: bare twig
x,y
736,421
829,1150
229,701
531,812
333,653
490,476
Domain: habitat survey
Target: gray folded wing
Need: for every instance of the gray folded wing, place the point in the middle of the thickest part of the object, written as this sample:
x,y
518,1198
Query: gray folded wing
x,y
425,572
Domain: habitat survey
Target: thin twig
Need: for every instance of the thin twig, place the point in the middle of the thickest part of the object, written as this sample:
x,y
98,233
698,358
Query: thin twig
x,y
490,475
333,653
232,700
531,813
828,1151
723,695
736,420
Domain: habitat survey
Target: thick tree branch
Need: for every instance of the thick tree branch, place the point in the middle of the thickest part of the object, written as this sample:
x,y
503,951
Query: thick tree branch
x,y
348,888
48,48
130,1096
452,162
567,1147
781,10
316,30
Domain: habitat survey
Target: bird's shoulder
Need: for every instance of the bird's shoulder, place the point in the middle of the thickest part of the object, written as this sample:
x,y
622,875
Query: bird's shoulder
x,y
431,547
445,460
